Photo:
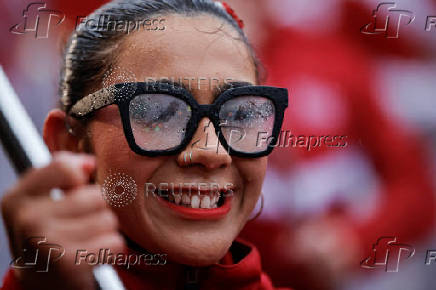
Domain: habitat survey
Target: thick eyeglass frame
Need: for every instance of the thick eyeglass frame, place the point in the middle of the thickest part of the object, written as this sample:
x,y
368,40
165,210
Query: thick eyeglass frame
x,y
123,93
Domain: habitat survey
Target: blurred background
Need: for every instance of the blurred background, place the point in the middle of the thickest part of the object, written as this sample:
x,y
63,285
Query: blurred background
x,y
324,207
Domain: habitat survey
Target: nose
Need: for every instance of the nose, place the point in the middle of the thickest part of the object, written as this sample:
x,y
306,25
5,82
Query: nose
x,y
205,149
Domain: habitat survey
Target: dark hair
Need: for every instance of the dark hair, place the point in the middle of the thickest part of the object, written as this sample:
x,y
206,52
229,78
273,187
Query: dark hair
x,y
88,52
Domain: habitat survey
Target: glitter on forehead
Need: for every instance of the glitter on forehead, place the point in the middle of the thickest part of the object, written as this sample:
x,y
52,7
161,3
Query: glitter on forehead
x,y
118,75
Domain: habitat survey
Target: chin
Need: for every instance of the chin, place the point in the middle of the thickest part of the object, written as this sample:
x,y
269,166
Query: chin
x,y
192,247
185,241
199,256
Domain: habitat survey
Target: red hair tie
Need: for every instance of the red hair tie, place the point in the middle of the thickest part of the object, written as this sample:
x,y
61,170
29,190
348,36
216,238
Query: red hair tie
x,y
233,14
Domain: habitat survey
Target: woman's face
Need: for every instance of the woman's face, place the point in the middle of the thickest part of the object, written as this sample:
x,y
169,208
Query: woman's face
x,y
198,51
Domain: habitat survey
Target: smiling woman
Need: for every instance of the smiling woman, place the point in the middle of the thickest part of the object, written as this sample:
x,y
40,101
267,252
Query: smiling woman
x,y
154,133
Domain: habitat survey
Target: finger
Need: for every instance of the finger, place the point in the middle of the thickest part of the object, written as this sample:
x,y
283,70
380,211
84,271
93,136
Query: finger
x,y
113,241
85,227
66,171
79,201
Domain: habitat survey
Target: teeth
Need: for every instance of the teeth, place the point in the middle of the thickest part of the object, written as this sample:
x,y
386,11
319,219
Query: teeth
x,y
178,198
205,202
195,201
186,199
202,200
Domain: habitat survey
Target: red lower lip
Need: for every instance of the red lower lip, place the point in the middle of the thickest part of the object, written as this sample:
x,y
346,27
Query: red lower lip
x,y
198,213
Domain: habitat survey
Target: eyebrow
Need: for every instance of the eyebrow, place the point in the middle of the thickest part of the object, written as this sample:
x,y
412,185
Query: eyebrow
x,y
218,90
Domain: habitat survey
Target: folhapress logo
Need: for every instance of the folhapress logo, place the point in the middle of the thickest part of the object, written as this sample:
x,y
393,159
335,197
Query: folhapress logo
x,y
387,20
38,254
38,20
387,254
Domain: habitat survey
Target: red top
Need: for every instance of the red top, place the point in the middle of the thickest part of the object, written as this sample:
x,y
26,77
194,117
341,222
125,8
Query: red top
x,y
239,269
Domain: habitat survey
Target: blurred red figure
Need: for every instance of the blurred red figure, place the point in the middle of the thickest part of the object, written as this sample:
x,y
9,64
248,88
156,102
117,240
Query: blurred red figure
x,y
331,76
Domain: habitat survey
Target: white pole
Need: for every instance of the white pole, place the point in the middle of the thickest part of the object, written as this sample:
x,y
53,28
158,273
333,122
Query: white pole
x,y
38,154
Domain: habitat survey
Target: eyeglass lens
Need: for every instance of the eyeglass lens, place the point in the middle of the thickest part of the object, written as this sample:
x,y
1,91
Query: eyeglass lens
x,y
159,121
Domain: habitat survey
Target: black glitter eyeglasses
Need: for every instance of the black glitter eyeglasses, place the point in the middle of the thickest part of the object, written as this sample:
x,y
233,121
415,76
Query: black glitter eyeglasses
x,y
160,118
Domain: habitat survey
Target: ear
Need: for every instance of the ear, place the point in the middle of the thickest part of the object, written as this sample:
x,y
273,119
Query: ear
x,y
56,135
